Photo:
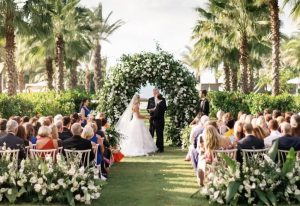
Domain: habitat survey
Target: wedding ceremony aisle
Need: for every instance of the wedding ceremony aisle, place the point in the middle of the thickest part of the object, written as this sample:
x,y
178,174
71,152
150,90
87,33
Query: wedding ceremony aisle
x,y
160,179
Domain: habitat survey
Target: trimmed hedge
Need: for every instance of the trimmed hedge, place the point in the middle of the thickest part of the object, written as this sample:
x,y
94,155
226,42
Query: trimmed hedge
x,y
43,103
252,103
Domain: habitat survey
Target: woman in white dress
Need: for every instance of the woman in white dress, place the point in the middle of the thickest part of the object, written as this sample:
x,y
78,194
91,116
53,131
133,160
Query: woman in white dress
x,y
136,139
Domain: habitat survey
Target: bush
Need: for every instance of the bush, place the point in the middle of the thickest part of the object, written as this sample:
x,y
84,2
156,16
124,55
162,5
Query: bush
x,y
43,103
234,102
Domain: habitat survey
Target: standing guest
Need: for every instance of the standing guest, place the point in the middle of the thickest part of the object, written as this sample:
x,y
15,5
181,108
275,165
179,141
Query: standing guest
x,y
77,142
249,141
66,133
30,135
295,124
11,140
84,111
44,139
274,133
287,141
3,123
204,103
22,134
55,135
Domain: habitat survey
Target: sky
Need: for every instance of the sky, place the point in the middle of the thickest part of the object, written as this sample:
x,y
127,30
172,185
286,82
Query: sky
x,y
168,22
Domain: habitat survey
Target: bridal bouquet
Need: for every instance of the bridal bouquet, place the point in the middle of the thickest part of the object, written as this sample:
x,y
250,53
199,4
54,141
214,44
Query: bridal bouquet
x,y
47,181
258,180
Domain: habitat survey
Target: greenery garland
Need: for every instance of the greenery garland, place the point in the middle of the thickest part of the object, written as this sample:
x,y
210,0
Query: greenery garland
x,y
159,69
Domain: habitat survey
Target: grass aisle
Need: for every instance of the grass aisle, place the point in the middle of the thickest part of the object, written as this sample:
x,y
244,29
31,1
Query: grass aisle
x,y
160,179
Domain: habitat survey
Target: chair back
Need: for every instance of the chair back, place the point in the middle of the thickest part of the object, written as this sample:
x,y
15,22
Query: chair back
x,y
229,152
95,150
283,153
60,150
254,153
82,155
27,151
33,146
10,155
41,154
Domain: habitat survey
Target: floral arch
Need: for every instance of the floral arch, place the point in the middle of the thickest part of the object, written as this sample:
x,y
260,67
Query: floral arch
x,y
159,69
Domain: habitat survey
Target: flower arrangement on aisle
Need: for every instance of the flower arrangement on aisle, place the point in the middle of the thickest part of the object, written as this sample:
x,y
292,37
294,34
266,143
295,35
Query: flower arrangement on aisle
x,y
47,181
259,180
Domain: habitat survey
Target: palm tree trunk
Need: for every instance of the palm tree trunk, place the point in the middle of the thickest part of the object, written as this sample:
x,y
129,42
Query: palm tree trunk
x,y
98,67
275,25
73,75
21,80
60,61
50,72
251,79
10,63
226,76
233,79
244,63
87,84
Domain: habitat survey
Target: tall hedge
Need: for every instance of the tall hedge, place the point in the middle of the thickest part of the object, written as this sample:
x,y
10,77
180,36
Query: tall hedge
x,y
43,103
252,103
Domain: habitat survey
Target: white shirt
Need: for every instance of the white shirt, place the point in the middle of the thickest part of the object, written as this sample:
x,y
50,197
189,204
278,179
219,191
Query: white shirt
x,y
269,139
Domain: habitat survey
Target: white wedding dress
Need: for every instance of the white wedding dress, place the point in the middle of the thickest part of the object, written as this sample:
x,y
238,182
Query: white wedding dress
x,y
136,139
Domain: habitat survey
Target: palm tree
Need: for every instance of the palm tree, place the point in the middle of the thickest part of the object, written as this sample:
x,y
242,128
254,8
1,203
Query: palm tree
x,y
9,15
192,61
102,29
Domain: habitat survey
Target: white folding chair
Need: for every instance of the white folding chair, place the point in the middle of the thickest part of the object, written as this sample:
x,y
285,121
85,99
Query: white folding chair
x,y
27,150
283,153
254,153
82,155
41,154
95,150
229,152
10,155
60,150
33,146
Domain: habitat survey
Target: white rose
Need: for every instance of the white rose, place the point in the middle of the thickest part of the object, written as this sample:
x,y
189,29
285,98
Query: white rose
x,y
40,181
49,199
9,191
60,181
77,197
37,187
33,180
44,191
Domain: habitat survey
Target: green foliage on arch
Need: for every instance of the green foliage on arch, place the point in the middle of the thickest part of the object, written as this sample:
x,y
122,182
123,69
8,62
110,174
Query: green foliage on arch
x,y
159,69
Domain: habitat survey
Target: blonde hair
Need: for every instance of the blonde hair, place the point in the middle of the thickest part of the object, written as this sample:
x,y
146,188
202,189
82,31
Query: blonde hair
x,y
260,133
44,131
54,131
87,132
211,138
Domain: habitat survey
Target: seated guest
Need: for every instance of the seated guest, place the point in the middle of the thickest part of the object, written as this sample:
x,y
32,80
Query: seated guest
x,y
30,133
3,123
76,142
273,126
295,124
262,123
22,134
57,118
212,140
287,141
223,128
249,141
44,139
88,133
276,113
24,120
75,118
66,133
260,133
55,135
195,121
238,132
230,132
249,118
11,140
280,119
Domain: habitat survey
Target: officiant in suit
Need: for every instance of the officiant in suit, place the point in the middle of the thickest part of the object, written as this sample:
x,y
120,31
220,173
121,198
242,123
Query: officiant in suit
x,y
203,107
152,102
158,120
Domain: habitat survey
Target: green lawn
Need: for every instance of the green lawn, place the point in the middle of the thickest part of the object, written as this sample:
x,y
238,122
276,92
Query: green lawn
x,y
160,179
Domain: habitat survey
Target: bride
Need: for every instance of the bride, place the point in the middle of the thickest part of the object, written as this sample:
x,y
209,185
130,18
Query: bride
x,y
137,140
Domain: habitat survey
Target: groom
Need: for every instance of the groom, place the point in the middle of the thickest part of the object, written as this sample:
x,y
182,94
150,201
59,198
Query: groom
x,y
158,120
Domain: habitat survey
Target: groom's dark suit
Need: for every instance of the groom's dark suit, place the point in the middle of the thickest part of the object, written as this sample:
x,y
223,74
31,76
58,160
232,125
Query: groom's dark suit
x,y
158,119
152,105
